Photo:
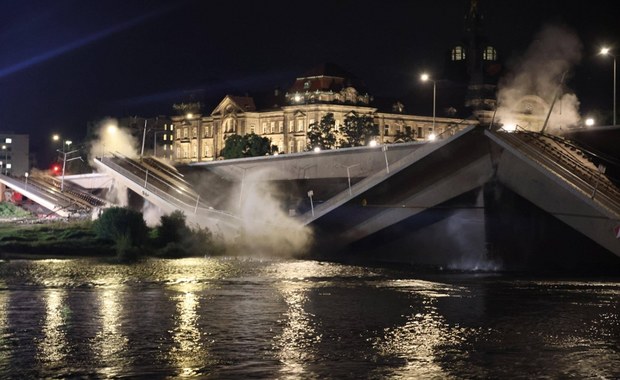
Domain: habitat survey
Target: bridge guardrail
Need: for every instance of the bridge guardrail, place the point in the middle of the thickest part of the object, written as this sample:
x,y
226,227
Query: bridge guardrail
x,y
588,180
188,203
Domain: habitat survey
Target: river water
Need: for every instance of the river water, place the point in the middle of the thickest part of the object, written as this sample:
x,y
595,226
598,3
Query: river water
x,y
292,319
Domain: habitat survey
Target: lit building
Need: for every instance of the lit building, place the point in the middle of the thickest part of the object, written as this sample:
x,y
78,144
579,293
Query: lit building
x,y
285,117
14,156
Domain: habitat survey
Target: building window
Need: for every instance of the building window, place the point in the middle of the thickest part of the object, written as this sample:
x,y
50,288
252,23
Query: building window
x,y
194,132
280,126
184,133
252,128
458,53
420,135
194,150
300,125
264,127
489,54
272,127
300,145
386,130
291,125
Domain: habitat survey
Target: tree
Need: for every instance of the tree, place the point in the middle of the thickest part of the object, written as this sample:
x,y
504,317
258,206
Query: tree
x,y
249,145
176,239
125,227
323,133
358,130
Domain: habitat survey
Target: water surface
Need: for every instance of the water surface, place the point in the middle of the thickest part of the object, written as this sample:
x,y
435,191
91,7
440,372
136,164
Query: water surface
x,y
241,318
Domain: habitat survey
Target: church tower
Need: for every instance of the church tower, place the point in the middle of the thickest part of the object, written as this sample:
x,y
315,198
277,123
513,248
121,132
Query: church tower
x,y
474,61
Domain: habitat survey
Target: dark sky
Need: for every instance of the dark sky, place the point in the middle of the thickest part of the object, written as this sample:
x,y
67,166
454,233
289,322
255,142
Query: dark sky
x,y
66,62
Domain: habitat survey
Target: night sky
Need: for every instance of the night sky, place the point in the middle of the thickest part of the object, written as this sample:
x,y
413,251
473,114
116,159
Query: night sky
x,y
66,62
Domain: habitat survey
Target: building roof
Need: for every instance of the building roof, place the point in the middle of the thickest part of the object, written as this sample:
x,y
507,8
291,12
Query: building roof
x,y
327,77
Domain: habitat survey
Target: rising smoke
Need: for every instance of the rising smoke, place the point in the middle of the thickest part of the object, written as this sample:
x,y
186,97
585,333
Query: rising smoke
x,y
555,51
268,229
110,138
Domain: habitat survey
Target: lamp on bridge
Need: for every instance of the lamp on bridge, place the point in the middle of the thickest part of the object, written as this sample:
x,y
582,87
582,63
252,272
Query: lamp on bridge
x,y
607,51
65,152
425,77
6,159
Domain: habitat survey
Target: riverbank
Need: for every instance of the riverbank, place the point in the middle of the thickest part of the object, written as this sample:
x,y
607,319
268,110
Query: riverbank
x,y
52,239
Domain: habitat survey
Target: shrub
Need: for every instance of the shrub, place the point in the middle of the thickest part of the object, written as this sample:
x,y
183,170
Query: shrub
x,y
172,228
176,239
125,227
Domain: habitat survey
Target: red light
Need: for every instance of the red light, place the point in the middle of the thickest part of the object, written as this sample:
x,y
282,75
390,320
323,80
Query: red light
x,y
56,169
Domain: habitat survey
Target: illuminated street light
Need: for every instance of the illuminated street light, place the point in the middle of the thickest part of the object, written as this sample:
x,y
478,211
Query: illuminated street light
x,y
372,143
589,122
65,146
425,77
26,175
6,160
317,149
607,51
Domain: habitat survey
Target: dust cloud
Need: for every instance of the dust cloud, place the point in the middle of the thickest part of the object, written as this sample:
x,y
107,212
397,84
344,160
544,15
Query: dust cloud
x,y
536,81
267,229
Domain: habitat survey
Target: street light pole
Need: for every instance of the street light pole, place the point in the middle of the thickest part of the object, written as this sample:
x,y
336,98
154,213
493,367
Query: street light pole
x,y
64,162
6,159
606,51
425,77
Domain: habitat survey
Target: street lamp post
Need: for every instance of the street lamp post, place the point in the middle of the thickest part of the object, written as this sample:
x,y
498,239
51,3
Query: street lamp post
x,y
64,161
348,175
6,159
606,51
424,78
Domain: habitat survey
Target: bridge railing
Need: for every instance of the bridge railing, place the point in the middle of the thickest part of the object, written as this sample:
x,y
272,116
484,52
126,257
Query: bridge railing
x,y
158,186
589,180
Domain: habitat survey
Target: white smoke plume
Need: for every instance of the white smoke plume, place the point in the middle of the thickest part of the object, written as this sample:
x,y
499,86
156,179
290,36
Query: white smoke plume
x,y
268,230
151,214
537,77
110,138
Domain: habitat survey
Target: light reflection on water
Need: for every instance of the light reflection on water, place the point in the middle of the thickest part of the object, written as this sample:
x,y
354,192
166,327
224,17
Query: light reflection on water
x,y
240,318
53,347
110,343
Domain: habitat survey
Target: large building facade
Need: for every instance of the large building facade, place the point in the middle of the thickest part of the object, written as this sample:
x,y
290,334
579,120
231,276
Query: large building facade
x,y
285,117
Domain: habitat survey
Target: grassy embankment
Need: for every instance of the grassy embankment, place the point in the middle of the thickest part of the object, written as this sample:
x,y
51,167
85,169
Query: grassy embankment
x,y
50,239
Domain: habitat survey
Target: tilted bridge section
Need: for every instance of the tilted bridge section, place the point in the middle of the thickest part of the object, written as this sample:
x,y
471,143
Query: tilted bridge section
x,y
164,187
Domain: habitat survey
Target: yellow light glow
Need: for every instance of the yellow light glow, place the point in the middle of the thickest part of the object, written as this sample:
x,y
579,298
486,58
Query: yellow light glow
x,y
55,137
589,122
424,77
372,143
317,149
432,137
509,127
605,51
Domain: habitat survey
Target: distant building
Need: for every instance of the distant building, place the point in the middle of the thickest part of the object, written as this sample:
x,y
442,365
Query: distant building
x,y
285,117
14,155
150,133
473,68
